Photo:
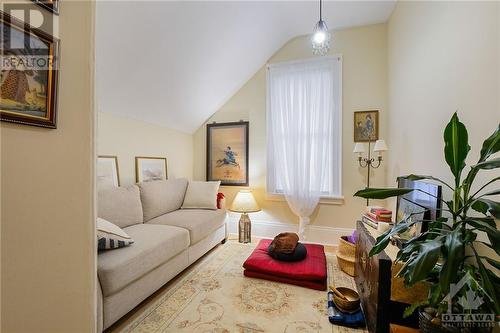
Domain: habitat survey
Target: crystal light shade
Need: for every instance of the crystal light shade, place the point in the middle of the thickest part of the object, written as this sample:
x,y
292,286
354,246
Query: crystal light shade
x,y
321,39
244,202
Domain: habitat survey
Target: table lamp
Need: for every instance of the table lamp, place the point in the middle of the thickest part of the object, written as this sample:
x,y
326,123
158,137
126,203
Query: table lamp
x,y
245,203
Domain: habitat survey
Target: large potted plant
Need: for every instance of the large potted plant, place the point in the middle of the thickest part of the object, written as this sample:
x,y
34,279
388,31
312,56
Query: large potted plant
x,y
448,255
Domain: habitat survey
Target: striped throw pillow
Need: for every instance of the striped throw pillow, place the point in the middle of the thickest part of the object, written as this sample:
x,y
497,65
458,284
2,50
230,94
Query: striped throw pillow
x,y
111,236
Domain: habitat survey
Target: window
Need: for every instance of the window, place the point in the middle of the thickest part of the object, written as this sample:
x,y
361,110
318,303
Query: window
x,y
304,126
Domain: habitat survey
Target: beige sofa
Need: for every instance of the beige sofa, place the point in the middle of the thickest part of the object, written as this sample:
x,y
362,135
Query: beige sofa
x,y
167,240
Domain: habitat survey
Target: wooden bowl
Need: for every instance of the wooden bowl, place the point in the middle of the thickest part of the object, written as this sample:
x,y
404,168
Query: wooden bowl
x,y
352,303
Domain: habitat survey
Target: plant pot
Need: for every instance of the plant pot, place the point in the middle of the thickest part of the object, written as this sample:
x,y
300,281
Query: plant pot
x,y
426,326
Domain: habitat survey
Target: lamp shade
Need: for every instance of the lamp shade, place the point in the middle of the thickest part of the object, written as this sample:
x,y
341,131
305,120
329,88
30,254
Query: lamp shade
x,y
380,146
244,202
359,148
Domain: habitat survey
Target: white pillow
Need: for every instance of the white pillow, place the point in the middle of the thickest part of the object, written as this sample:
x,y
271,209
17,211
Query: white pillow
x,y
201,195
111,236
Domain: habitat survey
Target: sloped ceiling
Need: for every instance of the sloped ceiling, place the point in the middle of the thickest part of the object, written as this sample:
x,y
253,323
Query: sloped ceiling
x,y
176,63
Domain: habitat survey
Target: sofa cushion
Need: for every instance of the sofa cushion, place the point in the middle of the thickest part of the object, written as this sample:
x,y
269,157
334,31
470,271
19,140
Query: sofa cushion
x,y
153,246
162,196
201,195
120,205
199,222
110,236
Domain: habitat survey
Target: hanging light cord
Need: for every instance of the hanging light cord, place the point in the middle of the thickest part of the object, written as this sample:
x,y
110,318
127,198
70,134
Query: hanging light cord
x,y
320,17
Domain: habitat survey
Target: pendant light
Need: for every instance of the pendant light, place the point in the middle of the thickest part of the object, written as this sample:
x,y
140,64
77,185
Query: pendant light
x,y
321,36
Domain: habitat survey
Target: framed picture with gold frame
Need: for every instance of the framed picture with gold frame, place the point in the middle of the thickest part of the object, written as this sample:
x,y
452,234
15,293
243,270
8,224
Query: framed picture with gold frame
x,y
29,75
366,126
107,172
227,153
150,168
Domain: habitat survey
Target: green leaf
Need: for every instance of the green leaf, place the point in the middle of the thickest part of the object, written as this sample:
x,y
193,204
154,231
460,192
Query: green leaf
x,y
494,192
440,225
420,177
435,294
454,255
470,236
491,145
410,309
493,262
490,246
491,231
383,240
496,281
488,220
489,284
406,252
381,193
456,146
488,165
420,265
480,206
487,206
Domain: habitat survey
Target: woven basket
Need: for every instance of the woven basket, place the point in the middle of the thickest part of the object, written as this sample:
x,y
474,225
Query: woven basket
x,y
346,264
426,326
346,249
346,254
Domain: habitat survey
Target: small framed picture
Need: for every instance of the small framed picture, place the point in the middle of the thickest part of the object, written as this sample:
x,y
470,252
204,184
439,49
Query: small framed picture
x,y
227,153
107,172
150,168
365,126
29,75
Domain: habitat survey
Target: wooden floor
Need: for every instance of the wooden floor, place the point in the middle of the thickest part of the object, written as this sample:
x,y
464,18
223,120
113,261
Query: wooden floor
x,y
402,329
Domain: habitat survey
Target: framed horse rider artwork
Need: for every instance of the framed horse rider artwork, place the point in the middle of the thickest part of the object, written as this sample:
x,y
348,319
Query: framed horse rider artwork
x,y
227,153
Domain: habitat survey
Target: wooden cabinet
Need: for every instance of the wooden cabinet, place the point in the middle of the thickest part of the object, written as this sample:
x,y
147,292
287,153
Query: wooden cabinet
x,y
383,297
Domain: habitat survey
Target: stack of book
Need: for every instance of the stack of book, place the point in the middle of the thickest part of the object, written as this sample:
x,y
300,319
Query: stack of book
x,y
375,214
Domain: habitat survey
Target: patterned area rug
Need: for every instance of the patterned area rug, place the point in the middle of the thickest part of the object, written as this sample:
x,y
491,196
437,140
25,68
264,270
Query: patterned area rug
x,y
214,296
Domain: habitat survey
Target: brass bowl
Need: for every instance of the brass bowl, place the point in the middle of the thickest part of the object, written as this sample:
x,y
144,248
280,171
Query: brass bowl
x,y
351,304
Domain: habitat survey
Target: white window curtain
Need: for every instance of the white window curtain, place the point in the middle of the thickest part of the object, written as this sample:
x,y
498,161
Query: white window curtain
x,y
304,132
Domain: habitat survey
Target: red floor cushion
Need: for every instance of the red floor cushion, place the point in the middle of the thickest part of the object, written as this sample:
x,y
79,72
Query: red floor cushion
x,y
310,272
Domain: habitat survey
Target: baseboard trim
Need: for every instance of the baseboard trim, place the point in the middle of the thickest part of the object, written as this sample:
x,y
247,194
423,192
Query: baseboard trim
x,y
313,234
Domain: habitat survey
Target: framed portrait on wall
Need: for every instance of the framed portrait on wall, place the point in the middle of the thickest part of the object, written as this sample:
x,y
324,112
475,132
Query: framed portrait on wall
x,y
227,153
150,168
366,126
107,172
29,74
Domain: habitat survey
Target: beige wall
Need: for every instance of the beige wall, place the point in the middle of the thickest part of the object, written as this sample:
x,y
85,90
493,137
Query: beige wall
x,y
48,235
127,138
443,57
364,88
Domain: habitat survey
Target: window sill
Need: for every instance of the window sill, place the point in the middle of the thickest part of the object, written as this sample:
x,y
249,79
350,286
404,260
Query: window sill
x,y
326,200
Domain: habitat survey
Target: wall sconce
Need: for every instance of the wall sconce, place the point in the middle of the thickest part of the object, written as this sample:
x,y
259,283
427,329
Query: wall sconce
x,y
370,162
